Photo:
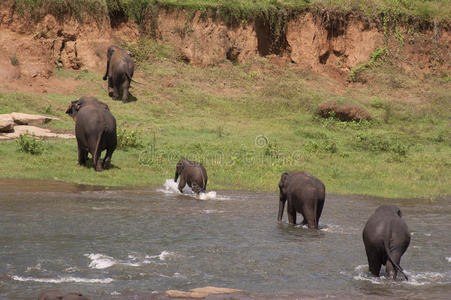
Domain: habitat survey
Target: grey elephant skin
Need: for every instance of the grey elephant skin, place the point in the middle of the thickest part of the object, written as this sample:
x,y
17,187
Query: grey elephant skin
x,y
119,72
191,173
95,130
58,295
305,195
386,238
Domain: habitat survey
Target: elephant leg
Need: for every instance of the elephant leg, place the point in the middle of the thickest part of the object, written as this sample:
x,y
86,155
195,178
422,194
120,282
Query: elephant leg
x,y
110,87
182,183
374,263
392,271
309,216
291,212
125,87
107,159
319,209
82,156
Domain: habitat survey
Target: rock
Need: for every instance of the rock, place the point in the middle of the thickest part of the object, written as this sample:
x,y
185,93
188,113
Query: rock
x,y
345,112
199,293
27,119
6,123
38,132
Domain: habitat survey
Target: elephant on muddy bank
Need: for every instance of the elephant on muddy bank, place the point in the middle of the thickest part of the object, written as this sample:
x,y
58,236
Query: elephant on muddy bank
x,y
95,130
119,72
305,195
191,173
386,237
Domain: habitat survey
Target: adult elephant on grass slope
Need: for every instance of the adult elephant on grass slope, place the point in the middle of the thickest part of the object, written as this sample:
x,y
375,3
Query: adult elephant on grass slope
x,y
386,238
305,194
95,130
119,72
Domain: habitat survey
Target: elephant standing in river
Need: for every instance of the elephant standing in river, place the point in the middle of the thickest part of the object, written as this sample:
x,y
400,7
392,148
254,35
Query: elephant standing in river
x,y
119,72
305,194
191,173
58,295
386,238
95,130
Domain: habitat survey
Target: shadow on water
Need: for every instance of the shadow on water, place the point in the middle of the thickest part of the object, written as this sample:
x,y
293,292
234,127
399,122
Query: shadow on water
x,y
116,243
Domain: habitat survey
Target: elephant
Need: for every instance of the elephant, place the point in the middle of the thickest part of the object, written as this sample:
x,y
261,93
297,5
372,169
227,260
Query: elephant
x,y
386,237
305,194
191,173
119,72
58,295
95,130
51,295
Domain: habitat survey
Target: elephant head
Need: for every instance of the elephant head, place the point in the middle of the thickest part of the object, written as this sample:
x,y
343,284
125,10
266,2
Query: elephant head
x,y
389,209
282,195
73,108
179,168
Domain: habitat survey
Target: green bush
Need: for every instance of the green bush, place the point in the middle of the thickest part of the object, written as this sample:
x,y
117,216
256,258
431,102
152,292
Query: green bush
x,y
128,139
381,144
30,144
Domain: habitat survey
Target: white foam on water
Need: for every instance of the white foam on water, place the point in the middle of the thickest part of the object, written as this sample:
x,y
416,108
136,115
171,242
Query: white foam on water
x,y
427,278
428,234
63,279
100,261
164,255
38,267
331,228
207,196
171,187
415,278
212,211
448,259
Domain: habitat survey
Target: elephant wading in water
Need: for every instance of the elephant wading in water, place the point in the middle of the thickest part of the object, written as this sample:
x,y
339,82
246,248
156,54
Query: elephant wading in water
x,y
191,173
119,72
386,238
305,194
95,130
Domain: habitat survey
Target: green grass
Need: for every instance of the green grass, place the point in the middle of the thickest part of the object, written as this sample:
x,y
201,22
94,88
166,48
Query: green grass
x,y
240,10
248,123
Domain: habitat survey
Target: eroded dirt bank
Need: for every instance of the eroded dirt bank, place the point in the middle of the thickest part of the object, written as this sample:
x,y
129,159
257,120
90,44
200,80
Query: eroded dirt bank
x,y
331,45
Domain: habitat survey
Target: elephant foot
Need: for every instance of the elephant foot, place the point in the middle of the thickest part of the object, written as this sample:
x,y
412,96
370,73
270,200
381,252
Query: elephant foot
x,y
110,92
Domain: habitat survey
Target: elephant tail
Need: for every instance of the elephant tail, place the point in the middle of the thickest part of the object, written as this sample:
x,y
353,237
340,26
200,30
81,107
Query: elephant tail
x,y
97,149
129,77
398,267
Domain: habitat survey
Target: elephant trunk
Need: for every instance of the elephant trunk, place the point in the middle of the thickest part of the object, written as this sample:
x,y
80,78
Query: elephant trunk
x,y
176,176
281,207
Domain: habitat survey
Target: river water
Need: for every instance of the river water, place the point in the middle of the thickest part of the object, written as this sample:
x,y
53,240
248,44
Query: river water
x,y
135,243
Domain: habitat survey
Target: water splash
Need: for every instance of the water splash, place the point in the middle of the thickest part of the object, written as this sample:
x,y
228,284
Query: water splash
x,y
415,278
63,279
171,187
100,261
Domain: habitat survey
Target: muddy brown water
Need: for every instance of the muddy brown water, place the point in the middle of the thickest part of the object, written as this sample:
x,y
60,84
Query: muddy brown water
x,y
137,243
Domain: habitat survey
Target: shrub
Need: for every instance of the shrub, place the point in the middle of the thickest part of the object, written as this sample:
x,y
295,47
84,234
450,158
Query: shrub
x,y
14,60
128,139
30,144
381,144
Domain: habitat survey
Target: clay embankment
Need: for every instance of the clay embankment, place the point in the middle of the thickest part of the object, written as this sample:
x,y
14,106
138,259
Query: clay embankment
x,y
332,46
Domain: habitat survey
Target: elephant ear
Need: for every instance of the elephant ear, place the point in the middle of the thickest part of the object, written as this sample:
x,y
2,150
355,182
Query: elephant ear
x,y
283,179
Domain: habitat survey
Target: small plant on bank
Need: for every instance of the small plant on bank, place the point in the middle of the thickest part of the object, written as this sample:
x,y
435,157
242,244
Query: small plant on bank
x,y
30,144
14,60
128,139
375,58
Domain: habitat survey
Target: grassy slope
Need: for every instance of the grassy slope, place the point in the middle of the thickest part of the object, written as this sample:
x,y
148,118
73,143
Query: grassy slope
x,y
215,114
424,10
